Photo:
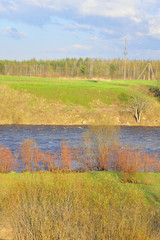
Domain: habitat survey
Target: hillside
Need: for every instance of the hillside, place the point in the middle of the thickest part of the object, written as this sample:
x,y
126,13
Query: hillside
x,y
28,100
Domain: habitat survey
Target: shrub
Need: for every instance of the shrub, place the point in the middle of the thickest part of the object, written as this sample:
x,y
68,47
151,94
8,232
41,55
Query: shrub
x,y
7,163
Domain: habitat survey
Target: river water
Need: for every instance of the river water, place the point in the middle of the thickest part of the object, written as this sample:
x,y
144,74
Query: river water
x,y
49,138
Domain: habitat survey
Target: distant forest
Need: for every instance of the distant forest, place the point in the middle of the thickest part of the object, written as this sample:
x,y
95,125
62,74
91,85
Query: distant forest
x,y
80,68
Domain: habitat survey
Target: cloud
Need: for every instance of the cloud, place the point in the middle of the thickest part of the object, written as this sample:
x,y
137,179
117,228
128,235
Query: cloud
x,y
104,17
91,21
154,27
12,32
103,8
114,9
84,8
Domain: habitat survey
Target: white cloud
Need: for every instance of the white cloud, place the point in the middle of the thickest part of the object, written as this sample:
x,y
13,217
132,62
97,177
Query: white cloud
x,y
6,6
12,32
154,27
13,5
103,8
109,8
139,17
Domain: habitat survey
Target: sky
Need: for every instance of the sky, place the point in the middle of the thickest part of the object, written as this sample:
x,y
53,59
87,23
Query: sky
x,y
56,29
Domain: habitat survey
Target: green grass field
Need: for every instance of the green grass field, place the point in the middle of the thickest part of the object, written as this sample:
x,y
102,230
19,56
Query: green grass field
x,y
82,98
76,91
87,205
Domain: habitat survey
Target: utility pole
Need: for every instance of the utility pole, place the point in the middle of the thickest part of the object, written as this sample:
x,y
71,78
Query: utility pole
x,y
125,58
150,70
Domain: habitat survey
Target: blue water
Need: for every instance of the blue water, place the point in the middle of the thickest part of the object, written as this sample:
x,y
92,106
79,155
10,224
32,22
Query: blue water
x,y
49,138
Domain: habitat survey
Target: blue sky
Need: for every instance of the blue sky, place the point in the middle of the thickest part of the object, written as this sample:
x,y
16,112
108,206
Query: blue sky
x,y
55,29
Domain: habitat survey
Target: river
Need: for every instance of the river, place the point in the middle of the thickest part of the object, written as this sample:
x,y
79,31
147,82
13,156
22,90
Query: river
x,y
49,138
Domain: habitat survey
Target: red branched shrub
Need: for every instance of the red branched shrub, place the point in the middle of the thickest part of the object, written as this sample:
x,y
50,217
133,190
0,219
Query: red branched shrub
x,y
7,162
91,156
65,156
133,161
27,153
37,159
49,161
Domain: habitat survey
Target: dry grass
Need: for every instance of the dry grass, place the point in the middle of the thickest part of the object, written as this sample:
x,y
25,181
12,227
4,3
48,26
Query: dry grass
x,y
19,107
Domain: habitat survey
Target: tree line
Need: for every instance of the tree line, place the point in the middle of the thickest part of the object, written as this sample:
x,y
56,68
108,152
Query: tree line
x,y
80,68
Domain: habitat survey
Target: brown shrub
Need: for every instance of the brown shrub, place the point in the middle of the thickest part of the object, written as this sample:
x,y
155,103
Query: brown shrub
x,y
49,161
7,163
27,153
65,157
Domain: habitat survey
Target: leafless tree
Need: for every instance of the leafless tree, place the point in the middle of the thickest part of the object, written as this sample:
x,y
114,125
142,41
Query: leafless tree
x,y
137,106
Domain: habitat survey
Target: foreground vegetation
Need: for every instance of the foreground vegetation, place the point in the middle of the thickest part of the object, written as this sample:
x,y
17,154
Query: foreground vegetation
x,y
25,100
88,205
98,190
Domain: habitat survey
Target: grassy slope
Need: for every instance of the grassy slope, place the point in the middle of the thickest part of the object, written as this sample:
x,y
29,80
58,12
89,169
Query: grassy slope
x,y
69,101
81,200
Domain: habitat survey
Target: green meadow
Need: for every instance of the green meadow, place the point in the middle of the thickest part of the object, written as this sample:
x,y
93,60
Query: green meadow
x,y
86,205
75,91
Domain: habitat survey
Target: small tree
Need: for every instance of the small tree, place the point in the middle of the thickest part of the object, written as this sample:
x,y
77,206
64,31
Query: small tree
x,y
2,68
84,69
112,70
137,106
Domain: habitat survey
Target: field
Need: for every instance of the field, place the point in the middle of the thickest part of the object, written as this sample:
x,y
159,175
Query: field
x,y
73,101
87,205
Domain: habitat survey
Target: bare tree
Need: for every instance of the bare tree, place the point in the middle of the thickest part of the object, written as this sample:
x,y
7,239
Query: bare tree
x,y
137,106
97,149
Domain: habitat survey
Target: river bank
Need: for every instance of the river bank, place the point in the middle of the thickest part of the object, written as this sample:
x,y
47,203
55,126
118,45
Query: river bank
x,y
36,101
